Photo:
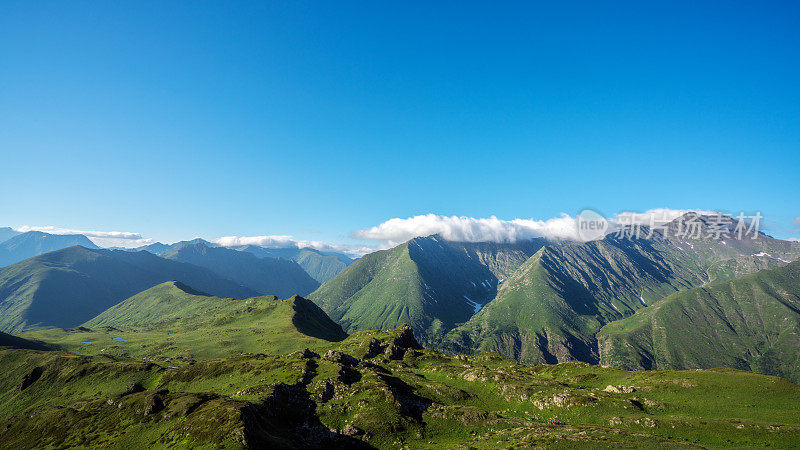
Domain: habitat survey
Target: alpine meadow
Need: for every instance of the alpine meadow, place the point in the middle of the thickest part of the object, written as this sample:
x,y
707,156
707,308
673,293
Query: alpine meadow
x,y
414,225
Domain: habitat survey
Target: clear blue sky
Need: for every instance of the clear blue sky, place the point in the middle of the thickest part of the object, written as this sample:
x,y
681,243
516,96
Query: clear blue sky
x,y
316,119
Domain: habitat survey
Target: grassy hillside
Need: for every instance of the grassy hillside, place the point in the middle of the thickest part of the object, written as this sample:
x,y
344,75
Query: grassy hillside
x,y
380,390
319,265
280,277
8,340
172,322
33,243
552,307
750,323
429,283
67,287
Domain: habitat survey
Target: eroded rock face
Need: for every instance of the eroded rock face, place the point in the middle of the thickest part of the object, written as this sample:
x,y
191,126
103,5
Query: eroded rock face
x,y
619,389
406,339
350,430
31,378
154,405
375,348
341,358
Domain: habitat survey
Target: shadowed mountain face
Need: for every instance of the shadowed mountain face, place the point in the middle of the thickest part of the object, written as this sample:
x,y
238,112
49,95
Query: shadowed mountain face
x,y
321,266
69,286
429,283
7,233
750,323
280,277
7,340
34,243
537,301
552,307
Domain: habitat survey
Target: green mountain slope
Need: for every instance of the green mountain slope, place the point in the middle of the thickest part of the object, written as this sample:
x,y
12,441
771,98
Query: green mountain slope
x,y
551,308
8,340
171,321
381,390
69,286
33,243
279,277
750,323
429,283
321,266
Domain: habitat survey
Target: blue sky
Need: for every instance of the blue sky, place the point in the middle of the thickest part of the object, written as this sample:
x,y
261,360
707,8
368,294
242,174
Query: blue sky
x,y
318,119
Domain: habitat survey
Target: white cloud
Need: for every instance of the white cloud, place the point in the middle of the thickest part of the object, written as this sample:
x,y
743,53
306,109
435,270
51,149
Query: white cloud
x,y
100,238
470,229
283,241
275,241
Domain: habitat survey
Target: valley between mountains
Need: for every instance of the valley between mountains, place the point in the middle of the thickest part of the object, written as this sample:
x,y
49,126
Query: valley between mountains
x,y
625,341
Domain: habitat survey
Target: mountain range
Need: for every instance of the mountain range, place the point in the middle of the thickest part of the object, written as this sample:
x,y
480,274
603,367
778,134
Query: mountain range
x,y
428,282
321,266
274,276
37,288
749,323
174,367
65,288
538,301
553,306
7,233
32,243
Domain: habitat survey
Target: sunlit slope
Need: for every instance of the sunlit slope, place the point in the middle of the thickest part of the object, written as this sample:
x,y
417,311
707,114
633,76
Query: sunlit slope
x,y
321,266
551,308
172,321
750,323
427,282
267,276
378,389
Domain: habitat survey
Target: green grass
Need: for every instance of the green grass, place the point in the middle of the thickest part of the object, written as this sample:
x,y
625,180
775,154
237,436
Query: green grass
x,y
552,307
750,323
424,400
172,323
67,287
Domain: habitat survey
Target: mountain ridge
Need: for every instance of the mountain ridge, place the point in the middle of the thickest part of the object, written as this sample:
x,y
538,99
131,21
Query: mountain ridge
x,y
66,287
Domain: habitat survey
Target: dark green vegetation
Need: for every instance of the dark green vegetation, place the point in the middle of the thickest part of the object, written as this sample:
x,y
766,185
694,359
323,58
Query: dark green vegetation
x,y
171,365
382,390
70,286
33,243
750,323
554,305
172,322
427,282
321,266
280,277
544,302
8,340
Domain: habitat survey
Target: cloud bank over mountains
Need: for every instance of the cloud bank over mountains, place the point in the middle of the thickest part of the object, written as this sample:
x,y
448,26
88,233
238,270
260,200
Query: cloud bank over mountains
x,y
284,241
470,229
395,231
100,238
